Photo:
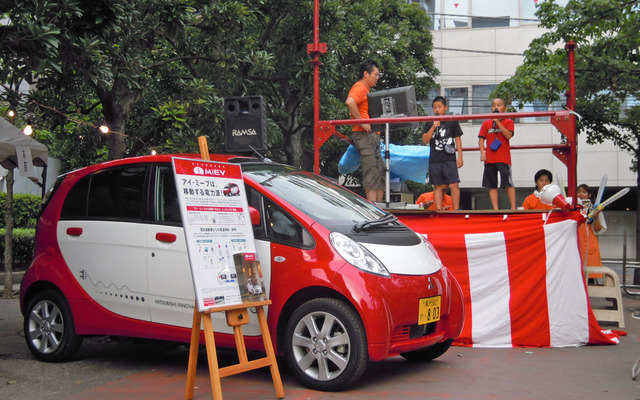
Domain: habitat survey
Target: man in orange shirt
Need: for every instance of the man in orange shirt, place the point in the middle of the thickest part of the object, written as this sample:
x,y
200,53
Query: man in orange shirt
x,y
366,142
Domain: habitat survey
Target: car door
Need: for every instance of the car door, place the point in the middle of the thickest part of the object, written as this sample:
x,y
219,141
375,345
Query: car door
x,y
171,293
101,234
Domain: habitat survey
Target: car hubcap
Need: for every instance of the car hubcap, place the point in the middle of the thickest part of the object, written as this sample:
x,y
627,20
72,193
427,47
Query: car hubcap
x,y
321,346
46,327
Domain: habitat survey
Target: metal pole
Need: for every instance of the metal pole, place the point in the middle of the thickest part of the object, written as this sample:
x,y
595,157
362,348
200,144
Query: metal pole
x,y
571,104
387,161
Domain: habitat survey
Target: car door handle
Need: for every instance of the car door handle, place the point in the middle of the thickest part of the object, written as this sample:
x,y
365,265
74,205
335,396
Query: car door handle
x,y
165,237
74,231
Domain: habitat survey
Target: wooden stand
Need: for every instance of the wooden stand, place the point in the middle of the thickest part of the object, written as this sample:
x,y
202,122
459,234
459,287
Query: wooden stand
x,y
237,316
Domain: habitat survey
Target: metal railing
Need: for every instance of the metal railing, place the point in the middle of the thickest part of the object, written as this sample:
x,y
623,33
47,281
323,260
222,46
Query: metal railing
x,y
627,266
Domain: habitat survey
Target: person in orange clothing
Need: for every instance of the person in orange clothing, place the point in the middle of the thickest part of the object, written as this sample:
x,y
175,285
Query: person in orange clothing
x,y
532,202
429,203
588,232
366,142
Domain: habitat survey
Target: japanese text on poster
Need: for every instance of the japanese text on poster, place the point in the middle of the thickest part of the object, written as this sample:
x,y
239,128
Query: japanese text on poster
x,y
218,233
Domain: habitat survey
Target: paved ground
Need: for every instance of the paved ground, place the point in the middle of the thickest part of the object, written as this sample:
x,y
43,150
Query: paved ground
x,y
105,369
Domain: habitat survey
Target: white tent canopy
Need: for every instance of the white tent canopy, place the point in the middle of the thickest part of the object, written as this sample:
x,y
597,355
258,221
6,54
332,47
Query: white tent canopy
x,y
10,137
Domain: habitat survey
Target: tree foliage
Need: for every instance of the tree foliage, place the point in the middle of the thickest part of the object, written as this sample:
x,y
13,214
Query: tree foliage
x,y
607,34
157,71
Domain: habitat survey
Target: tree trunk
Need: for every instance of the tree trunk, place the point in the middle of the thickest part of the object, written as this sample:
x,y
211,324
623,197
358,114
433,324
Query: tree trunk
x,y
8,237
636,272
117,102
116,139
293,136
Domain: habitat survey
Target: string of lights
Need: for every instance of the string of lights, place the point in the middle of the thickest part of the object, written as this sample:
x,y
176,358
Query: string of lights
x,y
28,129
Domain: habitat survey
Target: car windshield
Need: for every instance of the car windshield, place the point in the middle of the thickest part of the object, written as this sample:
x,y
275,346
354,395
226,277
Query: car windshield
x,y
326,202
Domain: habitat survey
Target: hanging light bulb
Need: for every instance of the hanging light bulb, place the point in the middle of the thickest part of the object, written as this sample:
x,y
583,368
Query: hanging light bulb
x,y
154,152
104,129
28,129
11,113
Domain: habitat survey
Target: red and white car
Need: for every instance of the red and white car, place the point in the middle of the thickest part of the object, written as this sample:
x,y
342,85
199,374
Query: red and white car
x,y
347,281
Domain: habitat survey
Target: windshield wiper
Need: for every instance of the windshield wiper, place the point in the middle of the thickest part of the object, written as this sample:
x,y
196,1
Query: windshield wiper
x,y
377,222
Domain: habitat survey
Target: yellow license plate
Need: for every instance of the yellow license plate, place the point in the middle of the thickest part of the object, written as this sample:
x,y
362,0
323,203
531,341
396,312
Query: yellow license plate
x,y
429,310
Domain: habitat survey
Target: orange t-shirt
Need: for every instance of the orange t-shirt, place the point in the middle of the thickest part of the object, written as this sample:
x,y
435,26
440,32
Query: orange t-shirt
x,y
533,202
447,203
359,93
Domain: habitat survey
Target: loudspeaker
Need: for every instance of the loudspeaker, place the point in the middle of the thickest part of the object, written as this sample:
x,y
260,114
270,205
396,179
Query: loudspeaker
x,y
245,124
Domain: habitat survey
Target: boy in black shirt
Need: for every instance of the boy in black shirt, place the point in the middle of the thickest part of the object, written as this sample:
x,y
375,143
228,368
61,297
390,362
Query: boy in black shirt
x,y
444,141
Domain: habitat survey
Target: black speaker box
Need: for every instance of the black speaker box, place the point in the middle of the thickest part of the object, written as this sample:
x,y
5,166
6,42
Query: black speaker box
x,y
244,124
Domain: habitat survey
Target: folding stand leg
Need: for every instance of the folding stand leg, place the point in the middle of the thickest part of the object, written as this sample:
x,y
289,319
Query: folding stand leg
x,y
193,354
271,355
212,356
237,316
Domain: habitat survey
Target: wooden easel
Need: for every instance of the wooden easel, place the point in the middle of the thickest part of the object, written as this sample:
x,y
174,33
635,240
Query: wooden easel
x,y
237,315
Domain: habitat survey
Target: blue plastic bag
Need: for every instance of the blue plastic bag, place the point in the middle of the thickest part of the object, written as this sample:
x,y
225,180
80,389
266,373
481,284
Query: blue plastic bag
x,y
407,162
350,160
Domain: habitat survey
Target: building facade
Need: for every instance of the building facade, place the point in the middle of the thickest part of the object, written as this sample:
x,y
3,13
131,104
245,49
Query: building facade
x,y
480,43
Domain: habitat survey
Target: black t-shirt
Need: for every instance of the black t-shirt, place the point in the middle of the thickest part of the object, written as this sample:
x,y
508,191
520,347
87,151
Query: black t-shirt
x,y
443,135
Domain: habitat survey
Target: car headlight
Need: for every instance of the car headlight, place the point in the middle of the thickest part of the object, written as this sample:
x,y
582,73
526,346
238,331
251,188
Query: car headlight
x,y
357,255
433,249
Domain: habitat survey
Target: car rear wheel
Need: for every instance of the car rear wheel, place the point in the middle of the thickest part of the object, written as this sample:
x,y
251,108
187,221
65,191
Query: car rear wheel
x,y
49,329
428,354
326,345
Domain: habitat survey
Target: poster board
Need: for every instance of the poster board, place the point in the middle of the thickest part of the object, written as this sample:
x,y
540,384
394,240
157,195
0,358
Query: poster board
x,y
218,232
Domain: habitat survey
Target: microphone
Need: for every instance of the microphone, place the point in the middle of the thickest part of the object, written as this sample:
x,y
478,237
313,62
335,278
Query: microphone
x,y
494,122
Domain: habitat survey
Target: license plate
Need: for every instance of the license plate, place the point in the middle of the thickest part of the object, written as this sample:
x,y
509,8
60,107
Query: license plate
x,y
429,310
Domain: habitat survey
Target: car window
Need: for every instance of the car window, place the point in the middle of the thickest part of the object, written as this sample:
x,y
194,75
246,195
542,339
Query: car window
x,y
283,228
324,201
118,193
75,204
254,199
167,208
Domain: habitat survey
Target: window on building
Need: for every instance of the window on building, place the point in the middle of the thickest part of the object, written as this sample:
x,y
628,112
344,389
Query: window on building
x,y
433,9
536,105
529,8
628,103
481,13
458,100
456,14
496,13
427,103
481,103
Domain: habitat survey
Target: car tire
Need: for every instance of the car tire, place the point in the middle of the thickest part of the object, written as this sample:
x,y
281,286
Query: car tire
x,y
326,344
428,354
48,327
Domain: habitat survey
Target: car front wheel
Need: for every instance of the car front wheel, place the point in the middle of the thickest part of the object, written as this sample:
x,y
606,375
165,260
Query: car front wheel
x,y
326,344
49,329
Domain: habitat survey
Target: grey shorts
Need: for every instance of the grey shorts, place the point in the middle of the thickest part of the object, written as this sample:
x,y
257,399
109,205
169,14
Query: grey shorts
x,y
373,171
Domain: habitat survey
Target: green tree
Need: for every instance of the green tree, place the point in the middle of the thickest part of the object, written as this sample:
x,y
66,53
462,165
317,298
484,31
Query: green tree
x,y
156,71
394,33
607,33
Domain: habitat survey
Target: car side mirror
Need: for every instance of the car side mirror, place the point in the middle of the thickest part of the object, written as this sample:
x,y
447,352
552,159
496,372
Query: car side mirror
x,y
254,214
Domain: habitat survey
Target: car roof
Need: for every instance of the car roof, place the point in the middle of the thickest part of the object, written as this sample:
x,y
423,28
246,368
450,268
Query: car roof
x,y
159,158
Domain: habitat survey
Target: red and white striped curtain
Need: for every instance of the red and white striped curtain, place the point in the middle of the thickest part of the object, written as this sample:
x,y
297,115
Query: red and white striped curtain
x,y
521,277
